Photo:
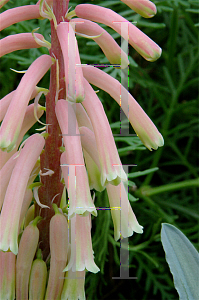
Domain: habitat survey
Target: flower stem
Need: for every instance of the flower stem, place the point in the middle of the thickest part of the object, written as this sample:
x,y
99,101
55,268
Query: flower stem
x,y
50,158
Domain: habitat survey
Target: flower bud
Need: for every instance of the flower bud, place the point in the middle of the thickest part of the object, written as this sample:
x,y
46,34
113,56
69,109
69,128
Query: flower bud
x,y
58,251
27,248
38,277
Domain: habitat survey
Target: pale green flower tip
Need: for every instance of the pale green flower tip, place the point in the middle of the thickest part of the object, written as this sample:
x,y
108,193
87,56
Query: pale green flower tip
x,y
157,53
147,13
74,99
80,99
161,141
138,228
92,267
150,13
7,145
85,212
153,144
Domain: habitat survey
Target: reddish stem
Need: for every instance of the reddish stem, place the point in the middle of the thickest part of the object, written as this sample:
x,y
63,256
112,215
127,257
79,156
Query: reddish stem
x,y
50,158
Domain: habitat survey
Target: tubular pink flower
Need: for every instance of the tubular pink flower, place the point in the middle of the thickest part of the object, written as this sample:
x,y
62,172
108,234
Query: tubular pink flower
x,y
139,120
5,101
111,167
11,125
145,8
7,275
5,174
81,246
137,39
38,277
124,219
80,201
18,14
28,122
79,193
72,63
59,252
27,248
74,287
108,45
10,214
19,41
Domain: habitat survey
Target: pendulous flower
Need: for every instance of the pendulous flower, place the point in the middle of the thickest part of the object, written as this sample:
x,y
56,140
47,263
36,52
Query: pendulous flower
x,y
12,122
124,219
81,257
137,39
139,120
111,167
10,214
72,162
72,63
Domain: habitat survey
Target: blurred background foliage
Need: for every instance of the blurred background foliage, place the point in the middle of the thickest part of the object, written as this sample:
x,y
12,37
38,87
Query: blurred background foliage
x,y
162,184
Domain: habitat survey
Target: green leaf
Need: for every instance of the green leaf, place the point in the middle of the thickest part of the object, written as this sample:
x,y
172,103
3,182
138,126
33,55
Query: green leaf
x,y
183,261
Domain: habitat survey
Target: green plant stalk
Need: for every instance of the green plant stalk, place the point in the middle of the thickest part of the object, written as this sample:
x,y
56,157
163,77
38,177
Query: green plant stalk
x,y
170,187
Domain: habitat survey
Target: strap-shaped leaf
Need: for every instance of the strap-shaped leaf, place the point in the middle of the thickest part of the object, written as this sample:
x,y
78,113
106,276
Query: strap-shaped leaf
x,y
183,261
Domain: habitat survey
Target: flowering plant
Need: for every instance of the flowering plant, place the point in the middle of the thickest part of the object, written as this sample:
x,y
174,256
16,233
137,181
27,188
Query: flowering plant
x,y
74,154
